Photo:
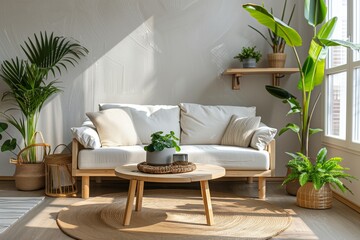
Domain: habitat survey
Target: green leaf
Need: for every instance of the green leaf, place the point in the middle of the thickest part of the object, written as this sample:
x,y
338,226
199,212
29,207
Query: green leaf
x,y
279,92
3,126
9,145
290,35
303,178
321,156
314,130
335,42
327,29
315,11
290,126
313,73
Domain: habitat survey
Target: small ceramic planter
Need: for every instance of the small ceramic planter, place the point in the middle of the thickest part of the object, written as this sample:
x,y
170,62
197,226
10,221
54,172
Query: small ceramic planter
x,y
249,63
161,158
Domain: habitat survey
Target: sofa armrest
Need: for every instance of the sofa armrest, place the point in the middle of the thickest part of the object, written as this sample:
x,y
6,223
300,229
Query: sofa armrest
x,y
76,147
271,148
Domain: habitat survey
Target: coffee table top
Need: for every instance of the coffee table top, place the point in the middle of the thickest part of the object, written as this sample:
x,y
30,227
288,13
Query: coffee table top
x,y
203,172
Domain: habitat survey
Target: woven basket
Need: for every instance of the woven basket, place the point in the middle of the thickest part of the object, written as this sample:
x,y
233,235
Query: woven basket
x,y
308,197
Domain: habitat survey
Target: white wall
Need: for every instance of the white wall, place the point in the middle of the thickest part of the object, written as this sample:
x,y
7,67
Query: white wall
x,y
148,52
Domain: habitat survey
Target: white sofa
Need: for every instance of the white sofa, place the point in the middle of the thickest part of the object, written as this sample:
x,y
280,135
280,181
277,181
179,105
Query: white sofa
x,y
208,134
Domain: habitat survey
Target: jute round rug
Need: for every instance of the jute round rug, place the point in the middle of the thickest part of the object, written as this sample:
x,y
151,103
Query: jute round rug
x,y
173,214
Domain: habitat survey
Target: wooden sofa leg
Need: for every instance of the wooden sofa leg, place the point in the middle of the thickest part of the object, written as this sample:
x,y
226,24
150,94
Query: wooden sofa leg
x,y
85,187
262,187
250,180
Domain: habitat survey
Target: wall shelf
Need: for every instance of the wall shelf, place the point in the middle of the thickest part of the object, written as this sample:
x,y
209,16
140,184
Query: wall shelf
x,y
277,73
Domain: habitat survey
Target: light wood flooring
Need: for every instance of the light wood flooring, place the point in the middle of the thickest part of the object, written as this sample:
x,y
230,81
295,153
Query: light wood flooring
x,y
337,223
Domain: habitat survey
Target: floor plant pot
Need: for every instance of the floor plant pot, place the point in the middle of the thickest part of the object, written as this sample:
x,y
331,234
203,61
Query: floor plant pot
x,y
249,63
277,60
30,176
160,158
308,197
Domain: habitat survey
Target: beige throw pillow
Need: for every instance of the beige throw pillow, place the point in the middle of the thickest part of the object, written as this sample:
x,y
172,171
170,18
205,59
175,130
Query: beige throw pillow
x,y
240,130
115,127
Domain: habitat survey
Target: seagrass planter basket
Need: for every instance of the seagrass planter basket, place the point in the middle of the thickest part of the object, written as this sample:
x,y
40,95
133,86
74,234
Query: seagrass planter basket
x,y
308,197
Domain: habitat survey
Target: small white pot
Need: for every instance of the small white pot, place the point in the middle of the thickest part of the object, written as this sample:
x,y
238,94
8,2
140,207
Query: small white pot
x,y
163,157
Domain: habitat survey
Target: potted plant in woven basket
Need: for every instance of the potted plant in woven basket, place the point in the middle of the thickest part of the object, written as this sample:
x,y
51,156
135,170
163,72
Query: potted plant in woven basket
x,y
311,70
31,83
315,179
159,152
277,58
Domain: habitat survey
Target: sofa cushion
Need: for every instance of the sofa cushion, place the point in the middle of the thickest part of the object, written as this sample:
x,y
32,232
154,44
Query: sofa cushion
x,y
115,127
202,124
229,157
149,119
240,130
262,137
87,136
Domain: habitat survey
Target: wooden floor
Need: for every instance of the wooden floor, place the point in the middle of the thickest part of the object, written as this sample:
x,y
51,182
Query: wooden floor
x,y
340,222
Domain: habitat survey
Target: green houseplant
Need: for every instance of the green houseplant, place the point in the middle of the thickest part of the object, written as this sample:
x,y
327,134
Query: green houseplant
x,y
161,148
311,70
318,176
249,56
31,83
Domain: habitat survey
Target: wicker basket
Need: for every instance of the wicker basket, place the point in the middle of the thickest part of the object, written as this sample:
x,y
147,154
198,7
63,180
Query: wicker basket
x,y
308,197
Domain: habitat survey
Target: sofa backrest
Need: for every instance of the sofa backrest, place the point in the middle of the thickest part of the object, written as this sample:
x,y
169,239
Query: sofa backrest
x,y
202,124
148,119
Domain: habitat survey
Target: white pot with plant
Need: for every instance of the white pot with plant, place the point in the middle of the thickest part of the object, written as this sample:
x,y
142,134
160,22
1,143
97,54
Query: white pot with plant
x,y
249,57
277,58
29,89
311,70
161,149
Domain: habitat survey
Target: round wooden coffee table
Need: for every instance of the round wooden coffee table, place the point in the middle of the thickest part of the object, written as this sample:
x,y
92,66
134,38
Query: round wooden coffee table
x,y
202,174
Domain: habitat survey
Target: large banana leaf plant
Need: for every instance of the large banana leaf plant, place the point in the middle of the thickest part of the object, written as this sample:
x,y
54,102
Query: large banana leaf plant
x,y
311,70
32,82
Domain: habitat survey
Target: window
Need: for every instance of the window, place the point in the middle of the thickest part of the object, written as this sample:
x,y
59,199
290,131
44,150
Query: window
x,y
342,83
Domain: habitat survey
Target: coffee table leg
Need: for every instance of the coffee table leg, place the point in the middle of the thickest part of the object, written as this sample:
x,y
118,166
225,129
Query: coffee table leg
x,y
129,202
139,195
205,193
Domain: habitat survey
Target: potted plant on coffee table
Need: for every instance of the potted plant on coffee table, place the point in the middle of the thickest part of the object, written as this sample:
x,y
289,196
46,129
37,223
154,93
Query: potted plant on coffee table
x,y
249,57
311,70
31,83
315,179
278,57
159,152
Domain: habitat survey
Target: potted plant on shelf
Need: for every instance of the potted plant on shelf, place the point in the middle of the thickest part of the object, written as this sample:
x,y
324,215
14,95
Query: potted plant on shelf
x,y
311,70
162,147
29,89
249,57
277,43
315,179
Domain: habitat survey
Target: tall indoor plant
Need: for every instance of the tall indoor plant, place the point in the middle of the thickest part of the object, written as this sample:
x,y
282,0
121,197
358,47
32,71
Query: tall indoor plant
x,y
311,70
31,83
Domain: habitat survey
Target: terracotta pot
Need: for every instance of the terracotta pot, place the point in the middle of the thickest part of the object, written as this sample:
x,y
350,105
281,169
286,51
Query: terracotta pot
x,y
308,197
29,177
161,158
292,187
276,60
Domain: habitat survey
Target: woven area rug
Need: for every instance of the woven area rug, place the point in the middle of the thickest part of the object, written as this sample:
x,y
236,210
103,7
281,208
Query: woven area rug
x,y
13,208
173,214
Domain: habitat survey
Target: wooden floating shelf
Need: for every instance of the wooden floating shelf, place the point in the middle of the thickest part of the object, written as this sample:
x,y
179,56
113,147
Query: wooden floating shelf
x,y
277,73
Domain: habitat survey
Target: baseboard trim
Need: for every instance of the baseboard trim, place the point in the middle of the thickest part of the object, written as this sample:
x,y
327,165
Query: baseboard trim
x,y
7,178
347,202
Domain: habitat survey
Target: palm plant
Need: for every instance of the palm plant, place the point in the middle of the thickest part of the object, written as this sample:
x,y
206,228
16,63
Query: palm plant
x,y
30,87
321,172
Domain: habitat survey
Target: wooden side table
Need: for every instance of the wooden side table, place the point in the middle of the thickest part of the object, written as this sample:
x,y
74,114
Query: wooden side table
x,y
202,174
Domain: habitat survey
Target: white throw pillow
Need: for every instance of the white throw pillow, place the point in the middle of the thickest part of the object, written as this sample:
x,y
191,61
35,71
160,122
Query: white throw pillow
x,y
115,127
240,131
262,137
148,119
88,137
206,124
